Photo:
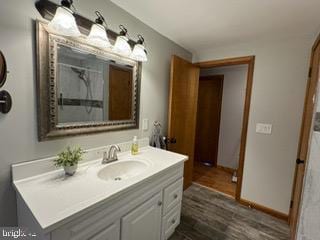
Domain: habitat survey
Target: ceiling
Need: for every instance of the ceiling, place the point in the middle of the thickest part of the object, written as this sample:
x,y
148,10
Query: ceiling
x,y
197,25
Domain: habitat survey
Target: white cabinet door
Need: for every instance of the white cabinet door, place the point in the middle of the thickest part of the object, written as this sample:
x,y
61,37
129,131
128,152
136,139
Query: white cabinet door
x,y
92,228
144,222
112,232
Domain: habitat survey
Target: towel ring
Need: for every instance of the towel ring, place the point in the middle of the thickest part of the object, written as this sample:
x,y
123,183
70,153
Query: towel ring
x,y
156,124
5,102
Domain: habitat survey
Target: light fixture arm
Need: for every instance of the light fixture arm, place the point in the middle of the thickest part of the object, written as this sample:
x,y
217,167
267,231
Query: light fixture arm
x,y
140,40
123,31
67,3
100,19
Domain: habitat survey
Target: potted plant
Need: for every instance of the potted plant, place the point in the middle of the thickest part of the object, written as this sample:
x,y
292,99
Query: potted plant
x,y
68,159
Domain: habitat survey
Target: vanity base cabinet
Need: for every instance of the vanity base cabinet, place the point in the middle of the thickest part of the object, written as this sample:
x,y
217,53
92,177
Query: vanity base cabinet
x,y
144,222
148,211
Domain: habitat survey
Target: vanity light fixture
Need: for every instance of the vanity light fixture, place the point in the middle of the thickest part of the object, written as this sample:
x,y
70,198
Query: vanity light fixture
x,y
63,21
122,46
98,34
139,52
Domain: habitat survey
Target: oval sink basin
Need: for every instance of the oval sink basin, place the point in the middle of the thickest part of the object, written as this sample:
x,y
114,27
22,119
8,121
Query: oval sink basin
x,y
122,170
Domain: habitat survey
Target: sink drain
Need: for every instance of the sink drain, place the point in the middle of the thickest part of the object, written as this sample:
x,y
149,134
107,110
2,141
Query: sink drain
x,y
118,179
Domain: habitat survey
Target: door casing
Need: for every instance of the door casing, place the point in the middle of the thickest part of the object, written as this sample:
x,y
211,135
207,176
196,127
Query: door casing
x,y
249,60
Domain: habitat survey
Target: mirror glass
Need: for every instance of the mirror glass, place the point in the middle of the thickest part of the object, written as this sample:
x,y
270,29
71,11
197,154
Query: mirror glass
x,y
92,88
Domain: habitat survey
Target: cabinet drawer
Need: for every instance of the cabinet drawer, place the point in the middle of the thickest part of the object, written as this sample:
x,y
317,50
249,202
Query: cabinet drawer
x,y
171,221
172,195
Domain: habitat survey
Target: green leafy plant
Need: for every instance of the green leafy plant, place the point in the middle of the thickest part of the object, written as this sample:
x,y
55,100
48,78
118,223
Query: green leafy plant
x,y
69,157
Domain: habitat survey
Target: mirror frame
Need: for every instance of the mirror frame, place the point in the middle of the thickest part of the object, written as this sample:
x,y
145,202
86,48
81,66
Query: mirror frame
x,y
47,102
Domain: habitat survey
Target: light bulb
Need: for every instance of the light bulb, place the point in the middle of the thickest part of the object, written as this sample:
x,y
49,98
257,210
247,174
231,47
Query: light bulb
x,y
122,46
64,22
98,36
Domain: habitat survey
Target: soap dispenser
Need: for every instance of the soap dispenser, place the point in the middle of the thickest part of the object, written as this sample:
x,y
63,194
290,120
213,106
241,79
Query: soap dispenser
x,y
134,146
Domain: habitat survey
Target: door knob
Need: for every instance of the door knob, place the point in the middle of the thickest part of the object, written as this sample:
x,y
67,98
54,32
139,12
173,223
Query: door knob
x,y
173,140
170,140
299,161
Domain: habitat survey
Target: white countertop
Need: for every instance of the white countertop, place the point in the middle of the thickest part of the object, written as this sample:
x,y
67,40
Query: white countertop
x,y
53,197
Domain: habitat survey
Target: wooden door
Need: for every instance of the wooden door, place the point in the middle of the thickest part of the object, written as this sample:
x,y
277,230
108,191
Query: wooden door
x,y
304,138
184,81
208,119
120,93
144,222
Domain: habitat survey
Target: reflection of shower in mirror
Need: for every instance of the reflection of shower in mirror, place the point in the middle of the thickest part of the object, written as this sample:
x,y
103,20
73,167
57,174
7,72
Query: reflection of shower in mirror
x,y
82,75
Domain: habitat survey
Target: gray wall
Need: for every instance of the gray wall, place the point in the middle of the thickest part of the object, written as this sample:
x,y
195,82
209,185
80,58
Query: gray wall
x,y
279,84
18,129
310,209
234,88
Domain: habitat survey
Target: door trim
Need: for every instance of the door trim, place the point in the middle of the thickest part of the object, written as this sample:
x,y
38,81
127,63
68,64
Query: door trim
x,y
305,135
249,60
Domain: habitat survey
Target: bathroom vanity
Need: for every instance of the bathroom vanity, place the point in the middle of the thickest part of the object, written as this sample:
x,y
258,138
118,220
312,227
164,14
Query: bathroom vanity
x,y
135,198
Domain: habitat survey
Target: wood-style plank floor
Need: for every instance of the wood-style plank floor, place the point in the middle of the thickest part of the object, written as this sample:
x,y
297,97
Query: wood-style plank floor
x,y
215,178
209,215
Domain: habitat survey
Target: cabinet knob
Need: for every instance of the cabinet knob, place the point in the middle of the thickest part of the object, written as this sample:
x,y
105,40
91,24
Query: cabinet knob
x,y
159,203
173,221
175,196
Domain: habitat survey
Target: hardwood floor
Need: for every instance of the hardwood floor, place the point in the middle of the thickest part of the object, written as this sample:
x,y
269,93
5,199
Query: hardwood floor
x,y
216,178
209,215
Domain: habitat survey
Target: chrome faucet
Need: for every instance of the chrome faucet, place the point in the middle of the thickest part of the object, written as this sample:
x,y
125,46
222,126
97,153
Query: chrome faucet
x,y
111,156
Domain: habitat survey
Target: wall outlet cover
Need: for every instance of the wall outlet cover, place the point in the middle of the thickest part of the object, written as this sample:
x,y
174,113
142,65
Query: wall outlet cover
x,y
145,124
264,128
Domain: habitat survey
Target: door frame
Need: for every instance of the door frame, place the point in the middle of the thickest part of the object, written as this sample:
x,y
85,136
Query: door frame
x,y
249,60
305,134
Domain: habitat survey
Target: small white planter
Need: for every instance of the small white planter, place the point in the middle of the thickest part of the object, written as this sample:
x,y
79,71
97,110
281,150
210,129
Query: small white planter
x,y
70,170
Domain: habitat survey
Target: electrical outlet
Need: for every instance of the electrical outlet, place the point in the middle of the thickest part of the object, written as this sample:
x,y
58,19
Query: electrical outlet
x,y
264,128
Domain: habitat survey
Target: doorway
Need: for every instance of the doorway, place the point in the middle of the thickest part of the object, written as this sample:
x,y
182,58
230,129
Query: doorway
x,y
183,105
219,126
208,119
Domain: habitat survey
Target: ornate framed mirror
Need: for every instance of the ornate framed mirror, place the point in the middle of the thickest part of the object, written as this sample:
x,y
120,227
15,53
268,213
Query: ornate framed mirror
x,y
82,89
